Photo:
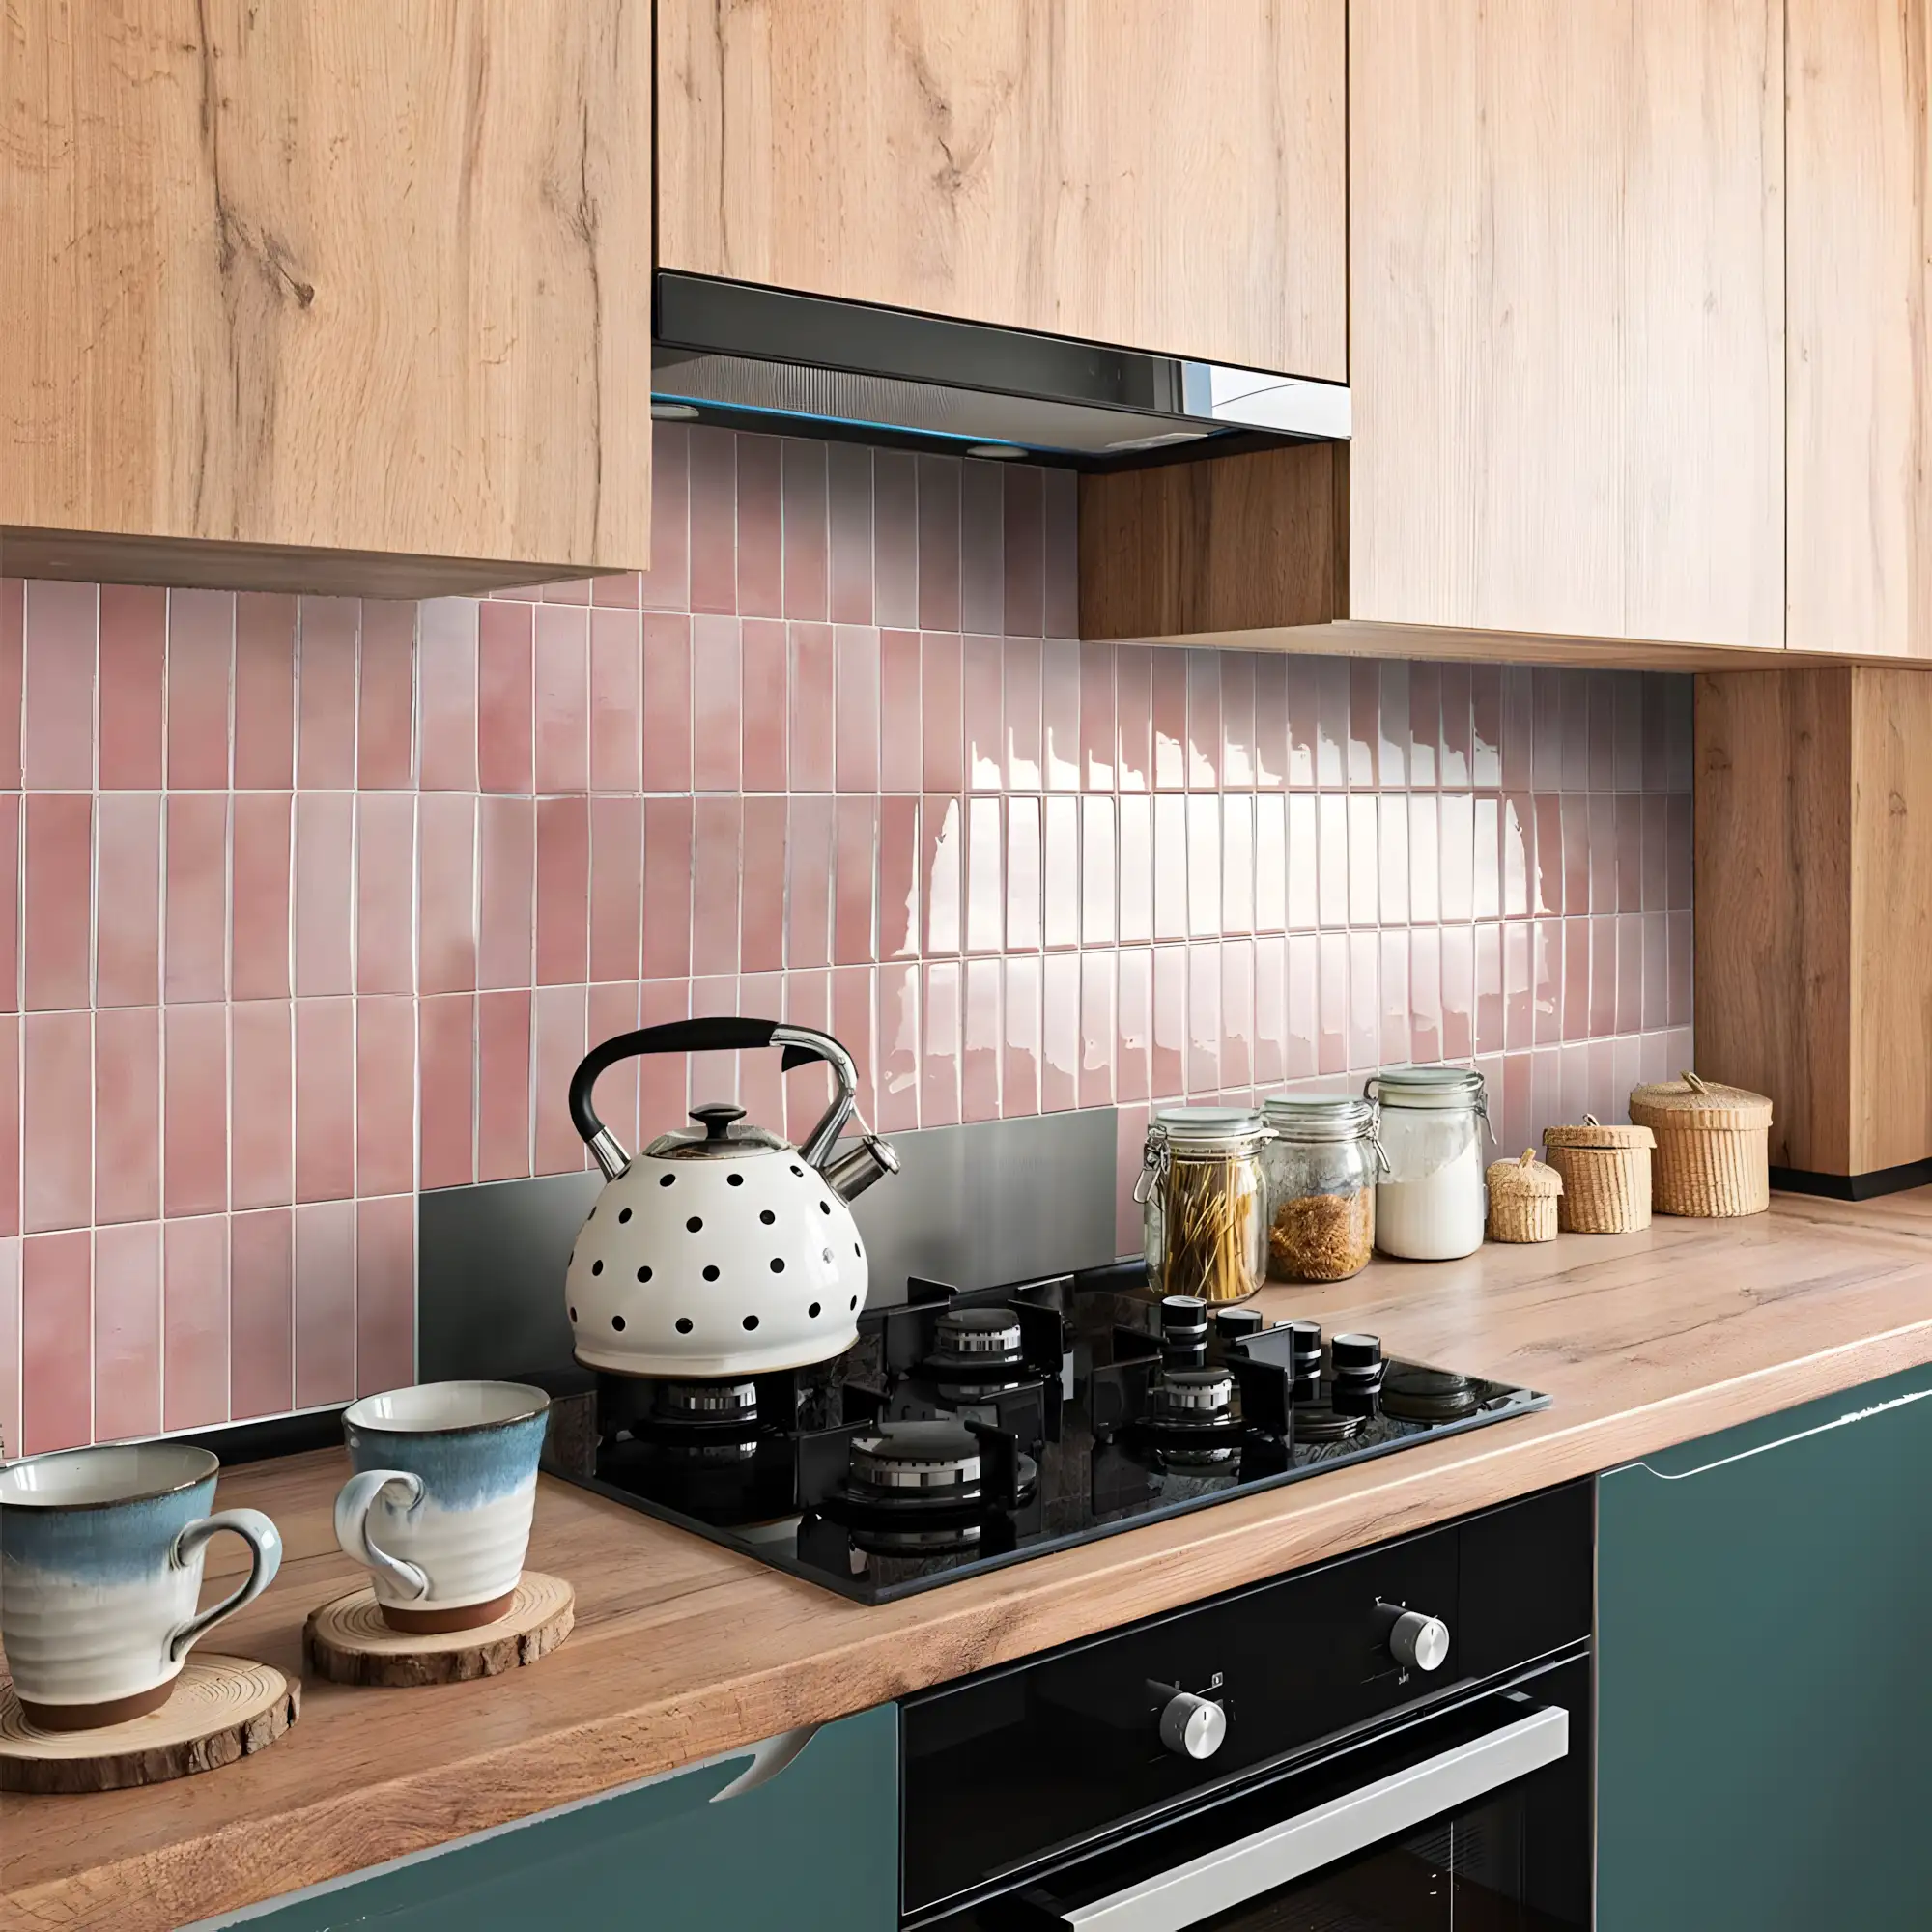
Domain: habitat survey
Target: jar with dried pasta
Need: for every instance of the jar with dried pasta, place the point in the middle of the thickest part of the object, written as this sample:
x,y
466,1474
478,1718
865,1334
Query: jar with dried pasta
x,y
1202,1206
1320,1166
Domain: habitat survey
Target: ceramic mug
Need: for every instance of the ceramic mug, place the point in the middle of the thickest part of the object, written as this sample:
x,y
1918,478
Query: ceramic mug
x,y
440,1506
100,1559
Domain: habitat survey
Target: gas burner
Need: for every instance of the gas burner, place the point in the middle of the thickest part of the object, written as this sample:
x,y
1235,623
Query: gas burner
x,y
972,1347
1428,1395
1318,1422
1195,1398
705,1402
931,1461
923,1487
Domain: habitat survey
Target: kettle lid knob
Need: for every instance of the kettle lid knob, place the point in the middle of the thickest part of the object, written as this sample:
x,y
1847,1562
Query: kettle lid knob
x,y
717,1117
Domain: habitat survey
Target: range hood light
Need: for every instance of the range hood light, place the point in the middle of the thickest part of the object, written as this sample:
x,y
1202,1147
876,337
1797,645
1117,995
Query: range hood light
x,y
673,412
1164,441
995,453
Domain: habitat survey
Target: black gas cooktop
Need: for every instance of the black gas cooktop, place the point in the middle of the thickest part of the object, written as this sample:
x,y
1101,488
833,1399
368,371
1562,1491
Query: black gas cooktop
x,y
968,1429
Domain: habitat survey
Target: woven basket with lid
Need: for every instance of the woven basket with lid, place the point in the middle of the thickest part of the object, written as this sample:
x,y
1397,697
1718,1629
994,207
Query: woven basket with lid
x,y
1713,1146
1606,1175
1522,1199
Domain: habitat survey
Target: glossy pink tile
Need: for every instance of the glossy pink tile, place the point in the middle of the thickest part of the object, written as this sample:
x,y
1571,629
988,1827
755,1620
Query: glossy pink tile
x,y
1487,884
563,891
1206,1038
1680,969
446,684
386,1096
760,528
262,1104
201,643
1237,753
1363,861
325,1302
1237,1014
1167,1071
848,468
667,704
61,642
196,954
1060,881
895,594
323,891
10,1142
1204,865
1020,1063
1332,841
560,1027
717,724
1271,1005
328,629
1306,860
857,708
1022,551
1546,980
939,487
1630,972
1134,876
1409,996
385,696
502,1085
1364,976
616,888
1486,726
1333,988
1392,863
809,882
56,1380
261,890
1459,857
128,897
807,535
1025,930
856,851
1061,546
666,915
1331,716
324,1099
714,520
1303,703
55,901
1270,861
981,1042
446,1042
942,834
613,1009
13,652
1305,1025
666,584
716,885
1091,882
897,1020
1134,701
1601,1011
616,701
1170,867
1575,836
265,688
1022,701
127,1339
1459,990
562,699
261,1313
1270,720
385,840
385,1280
126,1151
505,697
939,1056
133,659
984,896
57,1104
982,580
1167,675
1519,987
812,680
762,886
195,1320
1457,742
1060,1032
764,654
984,707
1488,981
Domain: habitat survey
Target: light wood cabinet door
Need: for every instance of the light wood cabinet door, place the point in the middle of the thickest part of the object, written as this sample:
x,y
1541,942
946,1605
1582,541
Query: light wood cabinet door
x,y
368,279
1158,173
1567,294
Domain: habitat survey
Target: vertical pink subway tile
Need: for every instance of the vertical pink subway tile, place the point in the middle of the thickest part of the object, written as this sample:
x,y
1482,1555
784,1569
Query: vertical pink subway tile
x,y
386,1096
1520,986
1488,980
613,1009
764,650
1023,879
807,1002
1272,861
1306,858
942,833
264,691
56,1326
1630,972
10,1143
901,760
1167,698
813,679
13,653
1301,705
1023,696
1546,980
1626,731
559,1022
1680,969
1204,720
328,629
1020,1067
1603,1007
718,721
1135,1023
1545,849
1459,991
1097,752
1486,726
1547,729
385,696
762,887
1332,1020
666,584
1392,862
128,900
563,891
667,857
1411,1019
385,1293
1023,552
133,652
667,712
562,699
1135,875
194,1319
982,705
896,589
55,900
1602,704
1203,866
446,894
503,1086
1060,1032
1458,856
1364,860
57,1107
505,697
325,1099
386,842
1204,1071
1574,685
714,520
446,678
856,711
899,1034
325,891
1270,1044
1060,552
264,869
1237,767
616,701
1364,994
196,966
1133,701
1575,835
981,1042
261,1102
61,643
851,1026
1458,746
126,1331
261,1313
1519,727
1170,868
849,469
1095,870
1678,825
1332,868
716,886
938,484
1332,735
982,563
1237,1014
1628,838
1167,1069
1603,852
1307,1023
1576,979
616,888
808,882
1270,743
325,1302
1487,885
984,891
1097,1031
126,1151
939,1057
1365,686
447,1047
1656,852
760,528
1518,821
201,644
899,896
805,533
856,853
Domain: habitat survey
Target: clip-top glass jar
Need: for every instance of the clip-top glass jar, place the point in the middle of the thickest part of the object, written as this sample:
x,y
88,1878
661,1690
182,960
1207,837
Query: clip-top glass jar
x,y
1321,1165
1203,1211
1431,1204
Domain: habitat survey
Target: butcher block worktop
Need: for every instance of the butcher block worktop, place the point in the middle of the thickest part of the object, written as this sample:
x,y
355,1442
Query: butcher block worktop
x,y
683,1650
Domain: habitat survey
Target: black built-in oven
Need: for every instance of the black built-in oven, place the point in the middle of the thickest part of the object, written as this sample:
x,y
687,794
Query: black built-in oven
x,y
1397,1740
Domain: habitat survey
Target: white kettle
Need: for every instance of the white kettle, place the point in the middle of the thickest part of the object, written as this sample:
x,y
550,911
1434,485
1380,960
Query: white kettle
x,y
721,1250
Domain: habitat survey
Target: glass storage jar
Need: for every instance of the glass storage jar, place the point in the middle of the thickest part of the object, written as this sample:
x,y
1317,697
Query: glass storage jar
x,y
1319,1165
1203,1209
1430,1203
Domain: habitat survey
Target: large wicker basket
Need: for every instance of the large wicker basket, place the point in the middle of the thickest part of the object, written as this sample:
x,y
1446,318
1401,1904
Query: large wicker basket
x,y
1606,1175
1712,1145
1522,1199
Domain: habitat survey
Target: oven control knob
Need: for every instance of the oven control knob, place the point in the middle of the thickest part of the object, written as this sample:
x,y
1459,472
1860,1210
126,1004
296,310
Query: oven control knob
x,y
1418,1642
1192,1727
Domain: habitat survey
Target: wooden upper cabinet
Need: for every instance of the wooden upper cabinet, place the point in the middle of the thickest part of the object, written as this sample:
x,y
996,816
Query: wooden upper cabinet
x,y
1566,259
1157,174
1859,156
351,293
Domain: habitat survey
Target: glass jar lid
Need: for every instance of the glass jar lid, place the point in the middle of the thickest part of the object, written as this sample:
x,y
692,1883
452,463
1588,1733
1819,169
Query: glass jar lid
x,y
1320,1117
1210,1130
1440,1087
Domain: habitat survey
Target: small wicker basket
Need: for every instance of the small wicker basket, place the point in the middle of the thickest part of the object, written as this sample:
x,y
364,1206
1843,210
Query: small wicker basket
x,y
1522,1199
1713,1146
1606,1176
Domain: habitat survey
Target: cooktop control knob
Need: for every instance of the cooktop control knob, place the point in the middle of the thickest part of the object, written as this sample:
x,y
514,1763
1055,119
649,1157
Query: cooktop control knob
x,y
1192,1727
1418,1642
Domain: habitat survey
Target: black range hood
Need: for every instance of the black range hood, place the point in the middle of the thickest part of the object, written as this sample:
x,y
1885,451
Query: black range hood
x,y
757,357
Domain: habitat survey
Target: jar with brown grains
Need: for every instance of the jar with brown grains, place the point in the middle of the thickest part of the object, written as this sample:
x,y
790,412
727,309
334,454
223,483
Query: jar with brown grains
x,y
1320,1164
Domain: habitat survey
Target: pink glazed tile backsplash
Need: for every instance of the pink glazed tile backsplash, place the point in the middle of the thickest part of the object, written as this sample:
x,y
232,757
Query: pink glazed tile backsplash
x,y
316,902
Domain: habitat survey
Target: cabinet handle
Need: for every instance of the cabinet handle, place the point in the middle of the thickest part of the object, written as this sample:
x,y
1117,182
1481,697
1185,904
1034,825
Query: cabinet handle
x,y
1844,1421
768,1759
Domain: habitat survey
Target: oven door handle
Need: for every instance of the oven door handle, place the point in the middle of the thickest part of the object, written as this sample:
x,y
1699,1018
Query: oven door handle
x,y
1297,1846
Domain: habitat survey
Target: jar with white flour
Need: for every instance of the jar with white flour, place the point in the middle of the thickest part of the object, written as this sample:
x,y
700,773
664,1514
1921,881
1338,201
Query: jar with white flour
x,y
1430,1204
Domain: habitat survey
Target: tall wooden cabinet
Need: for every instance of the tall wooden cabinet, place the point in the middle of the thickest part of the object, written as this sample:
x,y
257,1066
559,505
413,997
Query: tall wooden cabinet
x,y
350,295
1566,234
1157,173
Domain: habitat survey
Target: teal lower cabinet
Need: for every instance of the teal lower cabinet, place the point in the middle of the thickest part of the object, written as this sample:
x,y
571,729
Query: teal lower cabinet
x,y
1763,1599
808,1843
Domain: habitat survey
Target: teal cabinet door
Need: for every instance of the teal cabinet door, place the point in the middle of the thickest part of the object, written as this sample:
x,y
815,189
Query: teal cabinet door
x,y
812,1848
1765,1707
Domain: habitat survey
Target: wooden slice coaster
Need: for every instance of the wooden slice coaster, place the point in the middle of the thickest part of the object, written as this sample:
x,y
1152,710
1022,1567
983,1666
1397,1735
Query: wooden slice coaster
x,y
222,1708
348,1642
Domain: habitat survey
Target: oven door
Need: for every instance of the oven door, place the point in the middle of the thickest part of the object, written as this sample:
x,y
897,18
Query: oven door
x,y
1472,1819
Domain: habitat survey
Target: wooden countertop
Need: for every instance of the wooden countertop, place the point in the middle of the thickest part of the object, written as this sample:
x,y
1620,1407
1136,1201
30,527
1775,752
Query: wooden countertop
x,y
683,1650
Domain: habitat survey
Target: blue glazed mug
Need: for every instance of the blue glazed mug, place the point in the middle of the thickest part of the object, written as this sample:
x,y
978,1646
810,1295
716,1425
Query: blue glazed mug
x,y
101,1561
440,1506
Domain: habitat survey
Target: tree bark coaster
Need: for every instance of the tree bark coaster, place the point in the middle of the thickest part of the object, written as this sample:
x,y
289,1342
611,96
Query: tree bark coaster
x,y
223,1707
348,1642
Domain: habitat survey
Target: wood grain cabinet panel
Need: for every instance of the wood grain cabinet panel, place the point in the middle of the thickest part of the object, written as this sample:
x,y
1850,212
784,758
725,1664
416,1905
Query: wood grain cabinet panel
x,y
1566,234
1152,173
369,278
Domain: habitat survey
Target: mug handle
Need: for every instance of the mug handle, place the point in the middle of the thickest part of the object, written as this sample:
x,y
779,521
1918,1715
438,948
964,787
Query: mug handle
x,y
351,1527
265,1542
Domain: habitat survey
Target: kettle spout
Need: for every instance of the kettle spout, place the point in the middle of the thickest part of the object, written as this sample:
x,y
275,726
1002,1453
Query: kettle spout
x,y
868,1159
